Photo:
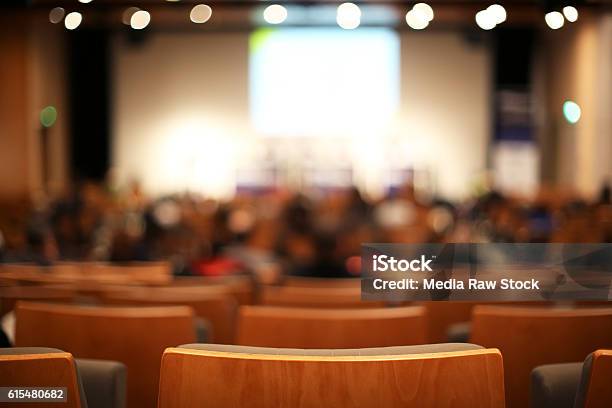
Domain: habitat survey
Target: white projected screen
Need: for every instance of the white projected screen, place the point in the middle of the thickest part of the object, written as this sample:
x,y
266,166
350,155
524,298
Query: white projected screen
x,y
323,82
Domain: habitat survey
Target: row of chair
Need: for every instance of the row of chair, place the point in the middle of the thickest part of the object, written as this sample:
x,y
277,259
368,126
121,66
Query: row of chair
x,y
141,272
209,297
88,383
300,318
527,337
208,375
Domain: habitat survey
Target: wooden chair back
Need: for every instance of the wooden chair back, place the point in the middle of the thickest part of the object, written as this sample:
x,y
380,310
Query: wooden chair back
x,y
30,275
242,287
53,369
149,273
529,337
52,293
153,273
323,297
330,328
135,336
212,303
441,315
599,389
199,378
308,282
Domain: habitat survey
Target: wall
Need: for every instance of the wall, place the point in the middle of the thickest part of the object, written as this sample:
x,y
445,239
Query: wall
x,y
33,77
47,85
13,108
446,107
181,117
579,65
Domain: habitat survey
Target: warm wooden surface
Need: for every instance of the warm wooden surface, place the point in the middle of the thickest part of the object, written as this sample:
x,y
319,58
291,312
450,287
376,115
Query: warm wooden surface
x,y
324,297
441,315
599,390
529,337
330,328
41,370
10,295
136,336
16,168
212,303
143,272
153,273
239,286
308,282
23,274
194,378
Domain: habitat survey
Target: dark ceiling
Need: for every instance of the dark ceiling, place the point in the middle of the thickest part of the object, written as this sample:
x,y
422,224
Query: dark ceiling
x,y
247,13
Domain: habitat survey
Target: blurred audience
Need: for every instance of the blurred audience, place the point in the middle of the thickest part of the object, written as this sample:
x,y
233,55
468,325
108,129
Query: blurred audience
x,y
318,235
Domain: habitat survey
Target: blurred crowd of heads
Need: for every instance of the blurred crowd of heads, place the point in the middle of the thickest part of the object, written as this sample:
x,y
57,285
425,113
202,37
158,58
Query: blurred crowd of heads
x,y
318,234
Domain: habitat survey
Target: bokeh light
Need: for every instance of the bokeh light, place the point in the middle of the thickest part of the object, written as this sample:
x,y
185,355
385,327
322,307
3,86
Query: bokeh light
x,y
416,20
486,20
348,16
275,14
570,13
554,20
140,19
572,112
48,116
56,15
127,15
497,11
73,20
200,13
425,10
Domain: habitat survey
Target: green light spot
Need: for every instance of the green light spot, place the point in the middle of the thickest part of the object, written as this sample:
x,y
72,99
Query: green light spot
x,y
259,37
48,116
571,111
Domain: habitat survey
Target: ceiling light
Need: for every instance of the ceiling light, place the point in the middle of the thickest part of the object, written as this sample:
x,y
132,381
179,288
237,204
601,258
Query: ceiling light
x,y
348,16
497,11
200,13
424,9
486,20
416,20
554,19
140,19
73,20
275,14
570,13
56,15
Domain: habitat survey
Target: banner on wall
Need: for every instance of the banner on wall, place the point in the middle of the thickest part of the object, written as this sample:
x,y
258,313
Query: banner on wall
x,y
515,156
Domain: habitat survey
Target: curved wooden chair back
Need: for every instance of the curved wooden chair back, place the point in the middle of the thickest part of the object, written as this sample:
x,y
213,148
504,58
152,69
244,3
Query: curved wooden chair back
x,y
150,273
199,378
31,275
443,314
135,336
154,273
323,297
308,282
53,369
240,286
330,328
599,388
9,296
211,303
529,337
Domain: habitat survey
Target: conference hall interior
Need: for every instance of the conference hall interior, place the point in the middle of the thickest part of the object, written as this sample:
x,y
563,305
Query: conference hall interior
x,y
191,191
